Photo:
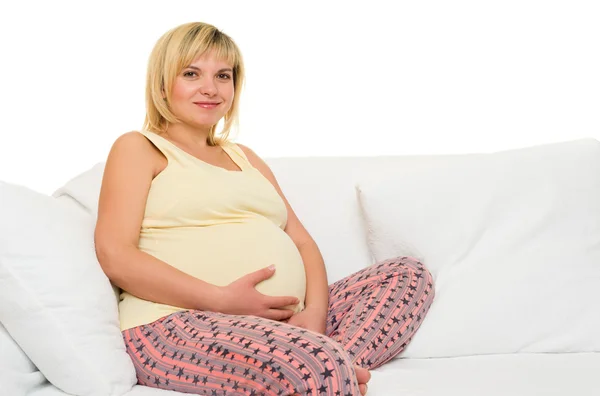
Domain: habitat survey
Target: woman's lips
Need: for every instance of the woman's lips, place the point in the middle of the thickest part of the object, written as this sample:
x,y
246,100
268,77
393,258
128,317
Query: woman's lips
x,y
206,105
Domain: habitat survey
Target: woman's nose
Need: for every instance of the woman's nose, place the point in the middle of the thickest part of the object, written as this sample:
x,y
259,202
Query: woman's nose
x,y
207,87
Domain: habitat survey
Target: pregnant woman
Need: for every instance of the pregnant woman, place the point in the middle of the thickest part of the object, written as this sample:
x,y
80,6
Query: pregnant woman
x,y
224,290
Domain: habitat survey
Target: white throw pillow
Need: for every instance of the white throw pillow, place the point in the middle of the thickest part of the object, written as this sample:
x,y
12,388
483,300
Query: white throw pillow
x,y
55,301
84,188
18,375
512,240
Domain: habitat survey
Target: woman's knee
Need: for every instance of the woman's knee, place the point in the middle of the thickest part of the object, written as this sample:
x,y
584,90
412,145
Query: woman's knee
x,y
412,270
403,265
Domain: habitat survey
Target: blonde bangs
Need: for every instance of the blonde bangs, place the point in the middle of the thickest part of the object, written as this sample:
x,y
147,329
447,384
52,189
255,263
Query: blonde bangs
x,y
195,44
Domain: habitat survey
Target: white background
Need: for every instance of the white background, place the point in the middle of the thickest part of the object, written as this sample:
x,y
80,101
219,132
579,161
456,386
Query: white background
x,y
323,77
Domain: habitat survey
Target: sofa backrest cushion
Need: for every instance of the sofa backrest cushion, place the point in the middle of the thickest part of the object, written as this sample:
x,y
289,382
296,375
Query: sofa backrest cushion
x,y
512,239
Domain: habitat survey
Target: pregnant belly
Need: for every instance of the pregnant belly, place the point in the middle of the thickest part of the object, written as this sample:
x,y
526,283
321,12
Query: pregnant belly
x,y
221,254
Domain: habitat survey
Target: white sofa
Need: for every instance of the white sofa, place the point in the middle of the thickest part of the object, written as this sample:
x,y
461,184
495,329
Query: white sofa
x,y
512,239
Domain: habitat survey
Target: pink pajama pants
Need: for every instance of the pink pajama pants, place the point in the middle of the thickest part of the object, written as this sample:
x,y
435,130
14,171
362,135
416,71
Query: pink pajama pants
x,y
372,316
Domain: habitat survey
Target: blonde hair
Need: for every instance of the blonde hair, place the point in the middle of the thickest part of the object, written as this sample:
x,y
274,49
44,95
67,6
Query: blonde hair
x,y
174,51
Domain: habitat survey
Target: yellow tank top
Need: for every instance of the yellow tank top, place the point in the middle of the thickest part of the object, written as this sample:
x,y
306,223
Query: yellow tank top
x,y
216,225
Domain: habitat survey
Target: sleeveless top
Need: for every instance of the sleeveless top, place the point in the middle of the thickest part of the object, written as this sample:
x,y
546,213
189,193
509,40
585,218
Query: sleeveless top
x,y
216,225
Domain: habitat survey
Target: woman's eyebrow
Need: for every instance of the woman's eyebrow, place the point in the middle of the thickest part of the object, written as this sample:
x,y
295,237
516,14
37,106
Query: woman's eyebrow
x,y
220,71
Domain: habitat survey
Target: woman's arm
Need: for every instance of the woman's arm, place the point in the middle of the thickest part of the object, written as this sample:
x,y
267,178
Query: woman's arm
x,y
317,288
128,173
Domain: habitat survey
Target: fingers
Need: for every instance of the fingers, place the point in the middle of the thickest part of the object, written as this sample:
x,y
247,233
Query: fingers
x,y
261,275
249,300
279,302
279,314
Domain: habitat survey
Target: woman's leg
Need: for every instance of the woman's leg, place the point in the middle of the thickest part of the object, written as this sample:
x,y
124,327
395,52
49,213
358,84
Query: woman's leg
x,y
210,353
375,312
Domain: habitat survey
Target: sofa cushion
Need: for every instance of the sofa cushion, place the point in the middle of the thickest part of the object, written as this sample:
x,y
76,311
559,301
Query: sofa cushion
x,y
55,301
535,374
512,240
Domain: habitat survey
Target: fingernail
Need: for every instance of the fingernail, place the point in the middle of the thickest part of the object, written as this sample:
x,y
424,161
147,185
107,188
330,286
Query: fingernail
x,y
271,267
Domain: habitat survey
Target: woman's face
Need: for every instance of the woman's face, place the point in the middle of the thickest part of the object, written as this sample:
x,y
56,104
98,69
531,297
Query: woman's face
x,y
203,92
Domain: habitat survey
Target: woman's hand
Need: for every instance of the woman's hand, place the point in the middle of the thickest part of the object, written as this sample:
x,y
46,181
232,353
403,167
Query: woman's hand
x,y
310,319
241,298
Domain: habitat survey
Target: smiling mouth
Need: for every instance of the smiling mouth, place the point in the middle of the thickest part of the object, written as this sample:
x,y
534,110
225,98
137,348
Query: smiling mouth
x,y
206,105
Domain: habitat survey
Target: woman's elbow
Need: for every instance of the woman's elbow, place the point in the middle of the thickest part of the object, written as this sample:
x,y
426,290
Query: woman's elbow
x,y
108,255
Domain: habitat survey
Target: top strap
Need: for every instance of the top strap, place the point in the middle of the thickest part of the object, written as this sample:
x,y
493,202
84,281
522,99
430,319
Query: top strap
x,y
238,156
172,152
168,149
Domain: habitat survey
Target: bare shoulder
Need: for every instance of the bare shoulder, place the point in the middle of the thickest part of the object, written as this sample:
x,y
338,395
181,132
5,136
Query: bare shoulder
x,y
249,152
132,141
253,158
137,149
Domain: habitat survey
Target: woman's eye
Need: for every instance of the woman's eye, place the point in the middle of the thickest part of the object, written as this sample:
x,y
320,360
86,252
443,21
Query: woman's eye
x,y
224,76
189,74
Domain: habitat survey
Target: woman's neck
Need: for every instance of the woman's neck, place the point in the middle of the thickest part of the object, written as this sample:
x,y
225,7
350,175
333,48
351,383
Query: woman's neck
x,y
188,136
